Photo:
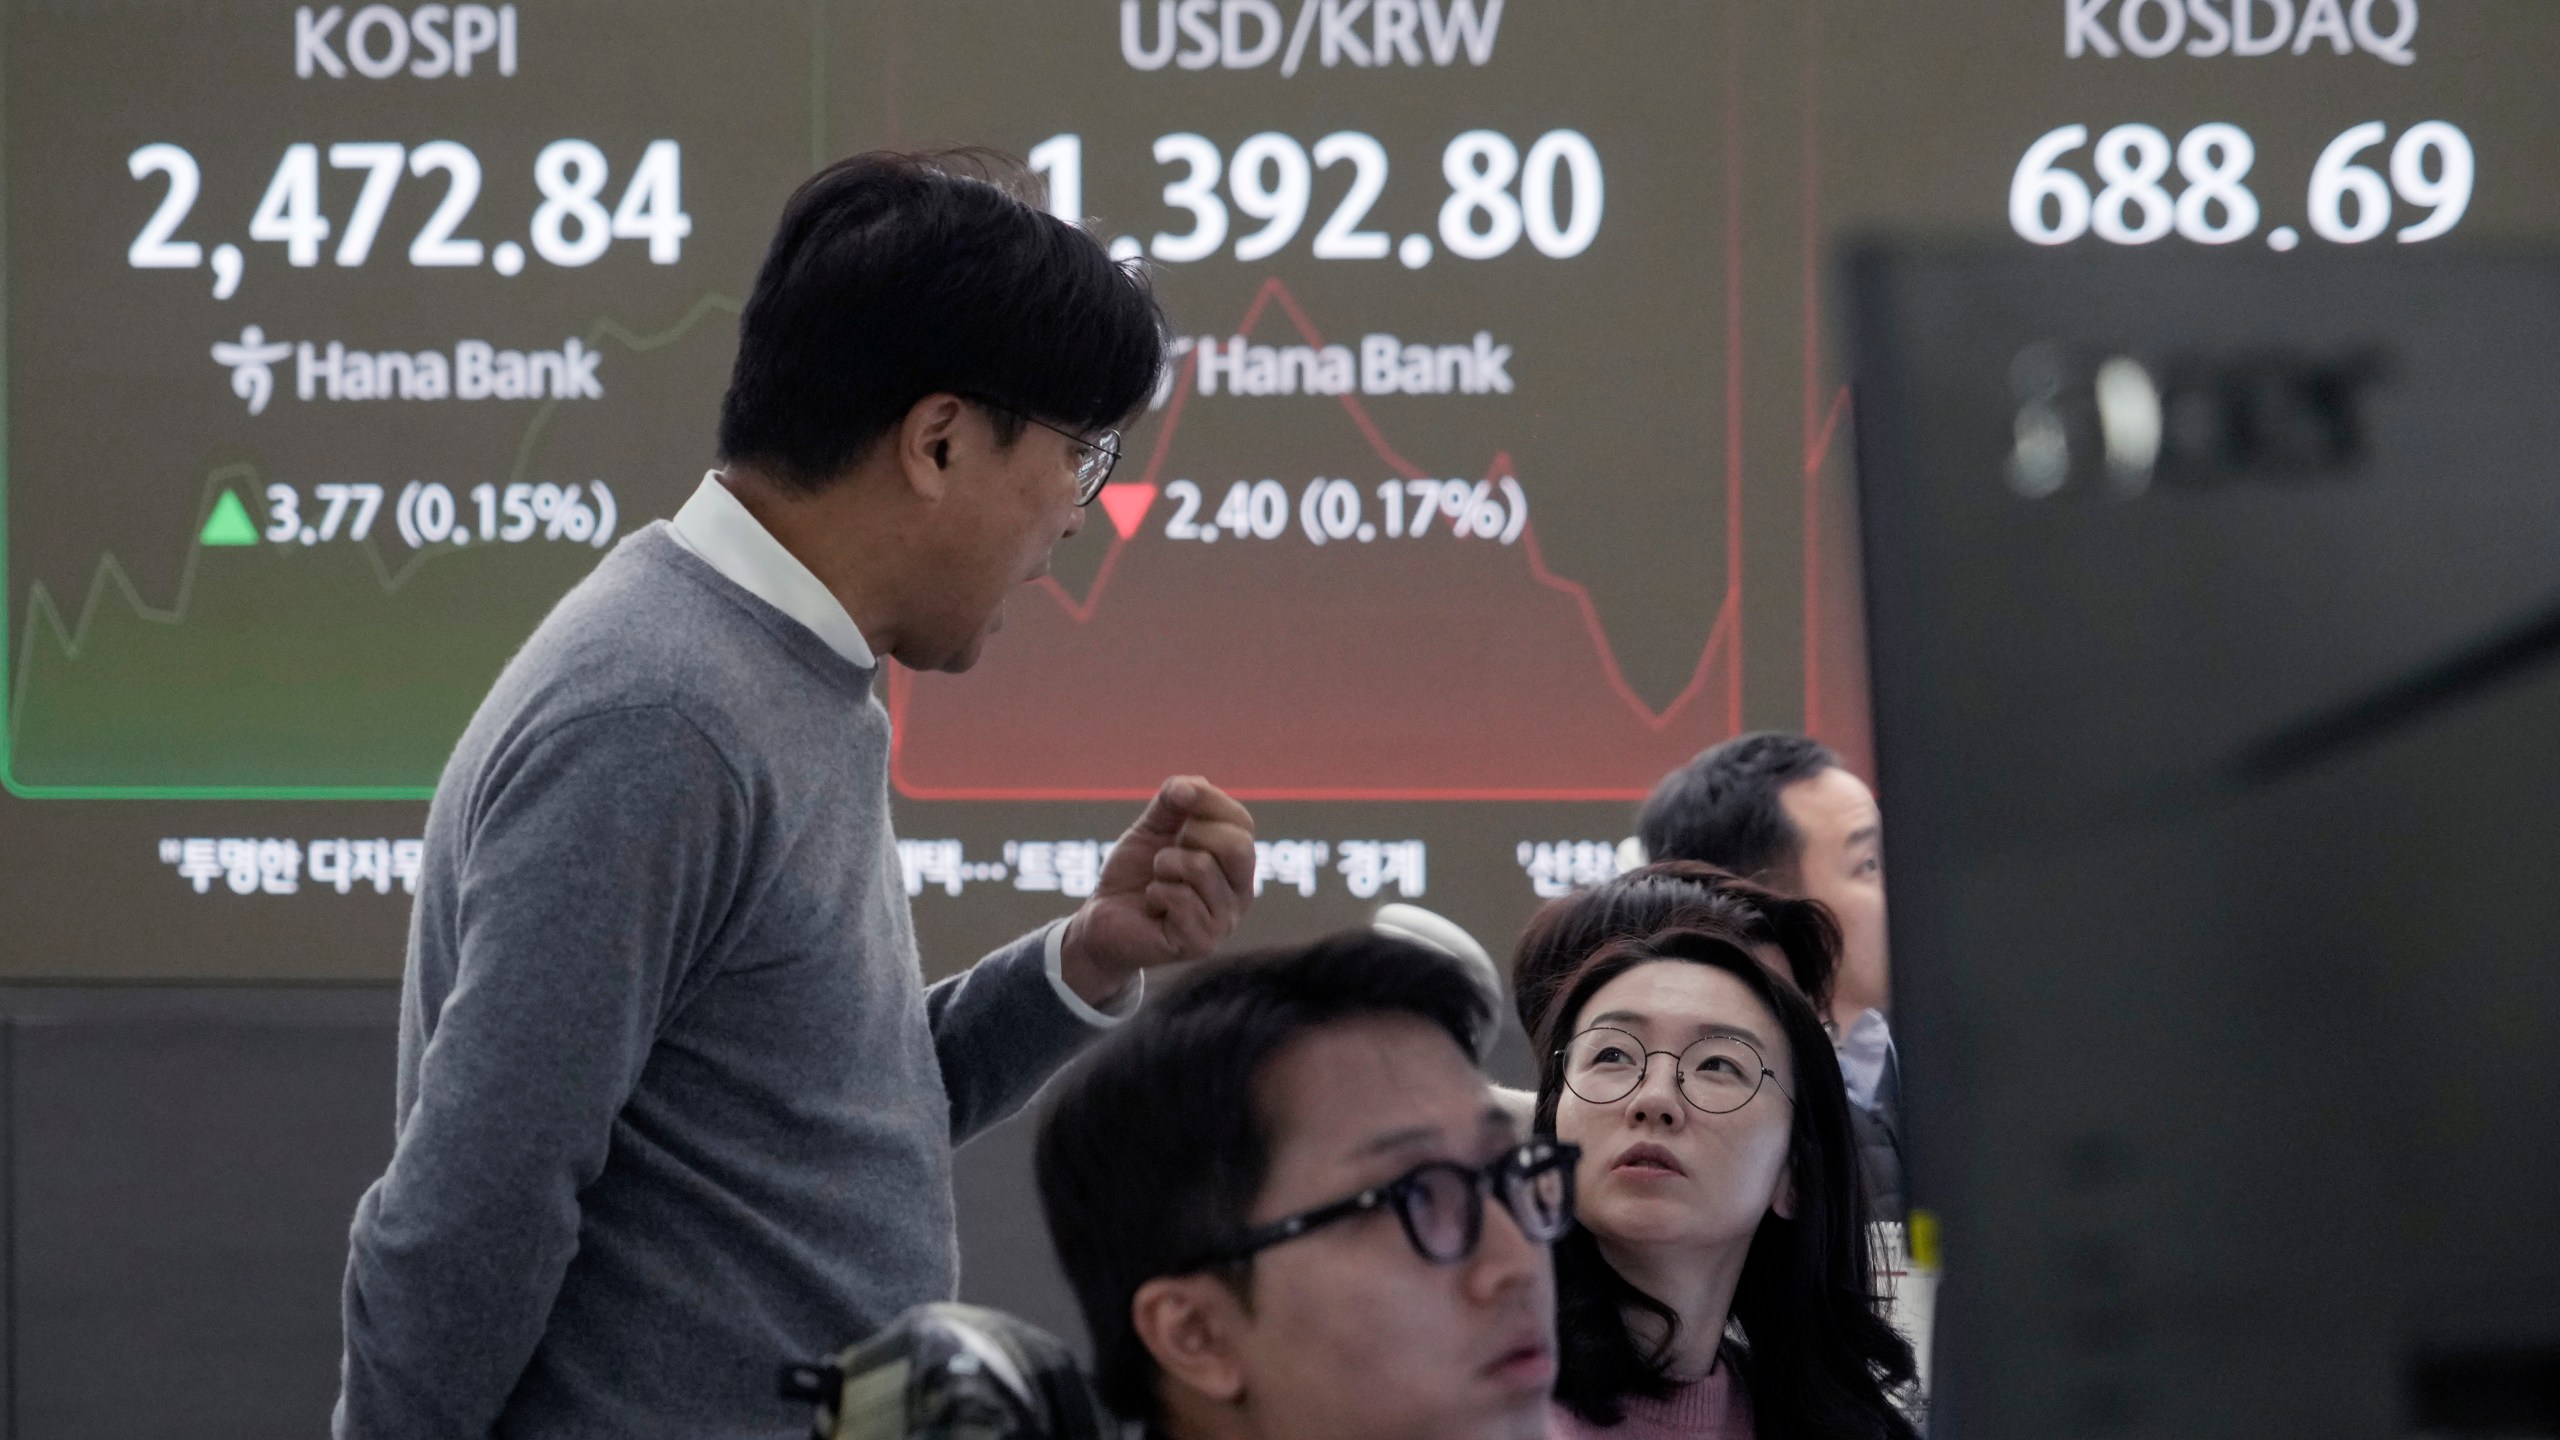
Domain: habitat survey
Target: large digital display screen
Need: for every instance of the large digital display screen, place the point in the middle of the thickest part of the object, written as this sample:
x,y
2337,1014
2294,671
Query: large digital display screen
x,y
1503,465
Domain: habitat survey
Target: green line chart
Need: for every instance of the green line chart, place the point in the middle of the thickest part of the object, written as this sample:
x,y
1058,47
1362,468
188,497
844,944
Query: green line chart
x,y
297,671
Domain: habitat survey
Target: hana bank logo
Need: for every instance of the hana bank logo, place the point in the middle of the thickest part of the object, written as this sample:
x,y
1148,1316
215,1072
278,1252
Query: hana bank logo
x,y
475,370
249,359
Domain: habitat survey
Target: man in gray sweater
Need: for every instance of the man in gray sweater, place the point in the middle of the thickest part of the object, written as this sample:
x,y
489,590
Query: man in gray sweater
x,y
675,1105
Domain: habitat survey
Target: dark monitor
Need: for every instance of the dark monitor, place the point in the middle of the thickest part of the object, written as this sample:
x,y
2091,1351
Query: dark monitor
x,y
2215,603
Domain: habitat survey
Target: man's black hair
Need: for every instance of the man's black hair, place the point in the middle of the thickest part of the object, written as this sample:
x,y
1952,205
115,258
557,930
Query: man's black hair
x,y
893,277
1723,807
1154,1150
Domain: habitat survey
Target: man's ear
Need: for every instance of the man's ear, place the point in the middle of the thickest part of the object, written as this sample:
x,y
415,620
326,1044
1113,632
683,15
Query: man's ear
x,y
1192,1325
924,441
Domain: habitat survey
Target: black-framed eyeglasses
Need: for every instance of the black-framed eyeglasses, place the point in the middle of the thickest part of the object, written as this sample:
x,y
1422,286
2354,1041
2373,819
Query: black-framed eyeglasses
x,y
1094,458
1440,1204
1716,1075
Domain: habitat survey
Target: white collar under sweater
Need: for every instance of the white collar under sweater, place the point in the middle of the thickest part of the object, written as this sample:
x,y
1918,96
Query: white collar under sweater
x,y
728,538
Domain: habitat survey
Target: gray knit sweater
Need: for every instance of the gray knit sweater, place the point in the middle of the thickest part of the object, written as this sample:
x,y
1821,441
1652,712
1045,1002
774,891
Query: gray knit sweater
x,y
675,1105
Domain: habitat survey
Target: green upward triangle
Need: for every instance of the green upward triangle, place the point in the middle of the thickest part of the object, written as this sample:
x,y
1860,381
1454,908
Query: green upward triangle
x,y
229,524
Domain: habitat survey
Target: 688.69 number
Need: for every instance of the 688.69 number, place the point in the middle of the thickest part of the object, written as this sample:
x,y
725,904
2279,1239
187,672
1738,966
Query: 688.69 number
x,y
2348,203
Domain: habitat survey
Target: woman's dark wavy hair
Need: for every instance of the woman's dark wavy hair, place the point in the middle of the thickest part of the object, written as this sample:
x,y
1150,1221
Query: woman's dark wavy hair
x,y
1806,1336
1669,895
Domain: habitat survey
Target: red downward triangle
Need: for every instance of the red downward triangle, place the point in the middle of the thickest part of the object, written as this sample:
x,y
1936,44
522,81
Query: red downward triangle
x,y
1128,505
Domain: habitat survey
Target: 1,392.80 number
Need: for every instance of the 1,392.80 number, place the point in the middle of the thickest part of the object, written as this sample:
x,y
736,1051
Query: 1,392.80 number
x,y
1270,177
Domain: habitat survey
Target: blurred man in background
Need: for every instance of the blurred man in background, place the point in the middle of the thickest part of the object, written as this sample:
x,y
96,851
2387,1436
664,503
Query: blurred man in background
x,y
1780,809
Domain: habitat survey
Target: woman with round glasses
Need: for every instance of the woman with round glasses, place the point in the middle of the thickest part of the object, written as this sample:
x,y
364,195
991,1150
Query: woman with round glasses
x,y
1718,1281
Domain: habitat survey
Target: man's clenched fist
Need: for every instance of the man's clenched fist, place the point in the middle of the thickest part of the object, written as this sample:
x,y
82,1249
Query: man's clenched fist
x,y
1173,889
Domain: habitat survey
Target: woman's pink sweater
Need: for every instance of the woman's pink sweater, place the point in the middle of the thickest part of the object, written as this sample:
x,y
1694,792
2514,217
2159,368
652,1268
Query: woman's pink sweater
x,y
1711,1409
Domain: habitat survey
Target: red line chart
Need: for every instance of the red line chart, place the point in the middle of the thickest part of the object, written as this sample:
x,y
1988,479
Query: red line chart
x,y
1451,672
1834,649
973,737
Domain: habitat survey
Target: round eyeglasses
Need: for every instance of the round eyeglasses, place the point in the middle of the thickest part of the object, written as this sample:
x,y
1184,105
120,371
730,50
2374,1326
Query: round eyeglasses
x,y
1716,1075
1094,458
1441,1206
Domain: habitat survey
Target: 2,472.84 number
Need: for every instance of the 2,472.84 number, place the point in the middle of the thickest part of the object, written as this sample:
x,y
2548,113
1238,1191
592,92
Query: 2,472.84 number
x,y
571,227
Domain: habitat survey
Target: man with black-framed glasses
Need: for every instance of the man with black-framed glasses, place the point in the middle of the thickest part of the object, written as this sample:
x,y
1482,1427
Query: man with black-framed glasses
x,y
1293,1209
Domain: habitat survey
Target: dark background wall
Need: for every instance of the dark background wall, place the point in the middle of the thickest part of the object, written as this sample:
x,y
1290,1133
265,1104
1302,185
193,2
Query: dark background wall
x,y
178,1167
177,1170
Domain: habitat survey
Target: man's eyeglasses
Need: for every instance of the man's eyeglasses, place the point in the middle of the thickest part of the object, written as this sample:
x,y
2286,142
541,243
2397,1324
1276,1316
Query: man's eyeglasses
x,y
1717,1075
1441,1206
1094,457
